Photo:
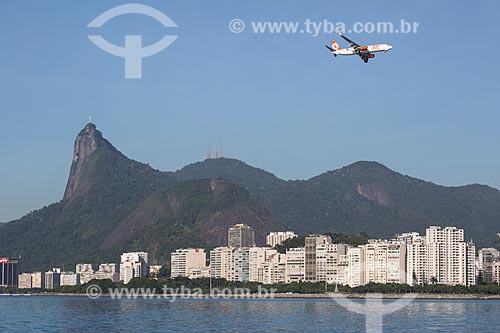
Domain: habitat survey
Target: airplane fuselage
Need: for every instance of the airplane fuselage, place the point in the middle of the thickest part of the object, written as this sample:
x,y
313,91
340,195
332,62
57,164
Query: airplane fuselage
x,y
369,49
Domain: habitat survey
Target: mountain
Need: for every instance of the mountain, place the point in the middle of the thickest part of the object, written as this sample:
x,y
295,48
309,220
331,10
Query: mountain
x,y
114,204
364,197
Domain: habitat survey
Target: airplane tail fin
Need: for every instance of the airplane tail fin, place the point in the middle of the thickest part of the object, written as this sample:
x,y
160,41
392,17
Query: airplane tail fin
x,y
335,46
331,50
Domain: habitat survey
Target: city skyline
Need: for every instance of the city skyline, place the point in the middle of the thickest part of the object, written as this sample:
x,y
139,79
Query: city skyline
x,y
440,256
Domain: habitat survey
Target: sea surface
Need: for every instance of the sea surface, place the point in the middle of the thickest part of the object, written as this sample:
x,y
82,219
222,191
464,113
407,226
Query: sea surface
x,y
81,314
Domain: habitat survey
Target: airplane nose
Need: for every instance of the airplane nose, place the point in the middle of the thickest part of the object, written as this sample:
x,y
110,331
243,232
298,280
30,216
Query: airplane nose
x,y
389,47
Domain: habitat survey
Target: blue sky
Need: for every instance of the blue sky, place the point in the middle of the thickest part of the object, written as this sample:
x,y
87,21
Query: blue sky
x,y
428,108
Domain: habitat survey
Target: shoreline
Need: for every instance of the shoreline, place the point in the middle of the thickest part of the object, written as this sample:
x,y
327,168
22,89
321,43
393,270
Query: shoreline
x,y
282,296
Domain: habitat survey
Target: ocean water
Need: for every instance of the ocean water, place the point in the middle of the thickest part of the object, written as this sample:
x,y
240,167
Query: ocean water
x,y
81,314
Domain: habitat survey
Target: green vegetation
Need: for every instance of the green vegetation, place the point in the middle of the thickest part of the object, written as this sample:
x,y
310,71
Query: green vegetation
x,y
363,197
296,288
353,240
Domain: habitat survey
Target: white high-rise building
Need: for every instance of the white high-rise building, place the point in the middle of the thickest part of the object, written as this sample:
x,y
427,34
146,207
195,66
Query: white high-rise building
x,y
496,272
355,266
266,265
384,262
240,265
450,260
220,262
133,265
486,259
276,238
108,272
274,268
318,261
189,263
312,243
86,272
416,261
37,280
470,255
343,266
24,281
328,257
240,235
70,279
256,260
255,264
295,265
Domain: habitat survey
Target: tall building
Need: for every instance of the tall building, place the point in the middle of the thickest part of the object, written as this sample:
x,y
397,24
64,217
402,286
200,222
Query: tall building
x,y
274,268
343,266
295,265
69,279
470,257
276,238
24,281
496,272
188,262
53,278
318,261
240,235
240,265
86,272
450,260
416,261
248,264
37,280
311,244
441,256
355,276
384,262
486,259
107,272
257,259
266,265
133,265
220,262
328,257
8,272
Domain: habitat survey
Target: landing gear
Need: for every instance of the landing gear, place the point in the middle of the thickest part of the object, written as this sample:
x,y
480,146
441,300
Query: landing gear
x,y
365,60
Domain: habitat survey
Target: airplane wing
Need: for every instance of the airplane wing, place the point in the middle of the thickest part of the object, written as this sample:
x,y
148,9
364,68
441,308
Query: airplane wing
x,y
351,43
360,50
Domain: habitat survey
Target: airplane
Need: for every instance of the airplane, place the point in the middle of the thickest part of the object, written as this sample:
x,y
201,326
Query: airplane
x,y
365,52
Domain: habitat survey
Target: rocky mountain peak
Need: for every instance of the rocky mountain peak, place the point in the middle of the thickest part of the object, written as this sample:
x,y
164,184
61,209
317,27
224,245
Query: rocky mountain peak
x,y
87,142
